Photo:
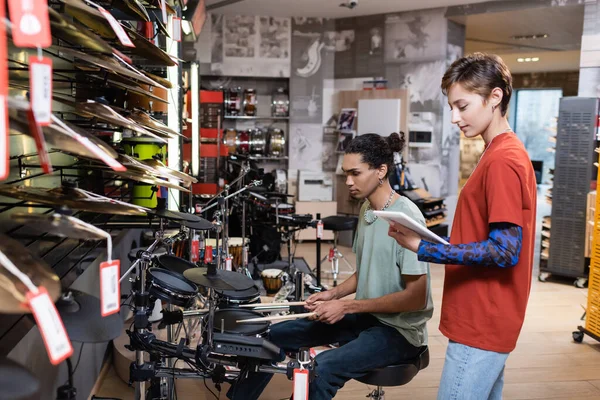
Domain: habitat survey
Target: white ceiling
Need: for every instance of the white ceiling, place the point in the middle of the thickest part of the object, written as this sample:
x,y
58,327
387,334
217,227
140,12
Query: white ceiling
x,y
329,8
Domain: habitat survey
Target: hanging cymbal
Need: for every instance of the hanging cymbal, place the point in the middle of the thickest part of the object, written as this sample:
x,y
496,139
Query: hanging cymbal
x,y
133,8
57,224
130,87
72,197
157,4
90,17
17,382
109,63
80,313
107,114
219,279
12,291
166,83
146,174
152,124
74,33
148,50
160,166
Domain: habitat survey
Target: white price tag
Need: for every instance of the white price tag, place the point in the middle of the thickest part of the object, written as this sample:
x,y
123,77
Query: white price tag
x,y
40,81
177,29
320,230
300,384
119,31
228,264
163,7
110,290
51,327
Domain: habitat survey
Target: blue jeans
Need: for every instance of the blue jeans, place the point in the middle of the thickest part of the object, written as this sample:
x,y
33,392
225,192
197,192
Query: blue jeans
x,y
369,344
472,374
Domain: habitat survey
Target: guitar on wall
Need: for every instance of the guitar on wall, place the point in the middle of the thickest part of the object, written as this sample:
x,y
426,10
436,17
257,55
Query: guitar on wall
x,y
313,56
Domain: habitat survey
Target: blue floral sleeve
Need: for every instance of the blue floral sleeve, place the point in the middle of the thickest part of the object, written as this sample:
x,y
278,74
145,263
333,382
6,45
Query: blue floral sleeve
x,y
501,249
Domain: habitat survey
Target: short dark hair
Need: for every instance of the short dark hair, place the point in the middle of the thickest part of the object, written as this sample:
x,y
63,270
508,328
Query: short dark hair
x,y
376,150
480,73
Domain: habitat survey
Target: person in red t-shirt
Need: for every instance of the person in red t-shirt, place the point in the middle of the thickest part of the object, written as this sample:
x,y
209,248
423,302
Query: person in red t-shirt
x,y
490,256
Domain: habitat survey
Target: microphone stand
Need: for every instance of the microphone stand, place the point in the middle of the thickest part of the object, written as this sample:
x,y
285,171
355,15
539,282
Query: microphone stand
x,y
68,391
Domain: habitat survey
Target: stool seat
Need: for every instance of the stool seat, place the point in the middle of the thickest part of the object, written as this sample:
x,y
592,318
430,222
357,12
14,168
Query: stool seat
x,y
339,223
398,374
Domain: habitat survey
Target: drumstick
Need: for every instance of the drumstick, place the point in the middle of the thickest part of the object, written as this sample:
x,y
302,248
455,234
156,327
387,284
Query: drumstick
x,y
275,318
266,305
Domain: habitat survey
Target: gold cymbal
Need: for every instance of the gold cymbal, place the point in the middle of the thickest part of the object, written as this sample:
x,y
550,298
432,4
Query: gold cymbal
x,y
131,87
138,174
160,166
109,63
56,224
166,83
72,197
90,17
12,291
134,6
74,33
148,50
107,114
153,125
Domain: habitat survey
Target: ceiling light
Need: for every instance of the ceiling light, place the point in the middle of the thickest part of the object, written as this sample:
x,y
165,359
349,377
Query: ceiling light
x,y
535,59
520,59
530,37
528,59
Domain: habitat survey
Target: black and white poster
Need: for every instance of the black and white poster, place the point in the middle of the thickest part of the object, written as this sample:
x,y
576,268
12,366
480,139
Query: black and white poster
x,y
306,147
312,61
423,80
417,36
250,46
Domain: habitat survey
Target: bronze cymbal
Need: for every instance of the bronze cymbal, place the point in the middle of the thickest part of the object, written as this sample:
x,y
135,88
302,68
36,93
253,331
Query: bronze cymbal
x,y
163,81
72,197
148,50
12,291
74,33
107,114
134,6
160,166
90,17
109,63
130,87
143,172
143,177
153,125
59,225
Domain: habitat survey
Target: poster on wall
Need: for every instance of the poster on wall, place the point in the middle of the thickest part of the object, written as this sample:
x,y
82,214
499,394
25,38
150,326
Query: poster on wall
x,y
306,147
417,36
343,42
423,80
312,61
250,45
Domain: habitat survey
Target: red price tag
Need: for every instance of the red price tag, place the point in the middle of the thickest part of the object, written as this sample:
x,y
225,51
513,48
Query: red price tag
x,y
118,28
228,264
300,384
51,327
40,142
177,29
195,251
3,137
4,153
30,23
163,8
208,256
320,230
40,81
110,289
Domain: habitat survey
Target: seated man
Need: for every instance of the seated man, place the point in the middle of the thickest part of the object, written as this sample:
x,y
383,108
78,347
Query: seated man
x,y
386,322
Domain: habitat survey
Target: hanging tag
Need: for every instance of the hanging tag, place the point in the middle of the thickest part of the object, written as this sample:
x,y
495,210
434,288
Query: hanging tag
x,y
195,251
50,325
228,264
117,27
30,23
163,7
208,255
110,289
320,230
40,81
300,384
40,142
176,29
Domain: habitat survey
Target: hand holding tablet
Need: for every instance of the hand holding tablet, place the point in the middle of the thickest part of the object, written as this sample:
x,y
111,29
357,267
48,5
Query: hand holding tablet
x,y
406,221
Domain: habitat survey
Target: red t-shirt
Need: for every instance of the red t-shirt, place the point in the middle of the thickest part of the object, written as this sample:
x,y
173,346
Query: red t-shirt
x,y
484,307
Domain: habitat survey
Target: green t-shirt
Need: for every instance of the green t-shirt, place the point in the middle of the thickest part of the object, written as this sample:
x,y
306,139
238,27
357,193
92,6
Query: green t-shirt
x,y
381,262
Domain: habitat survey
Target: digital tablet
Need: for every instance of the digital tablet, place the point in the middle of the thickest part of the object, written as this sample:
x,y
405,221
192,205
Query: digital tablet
x,y
408,222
